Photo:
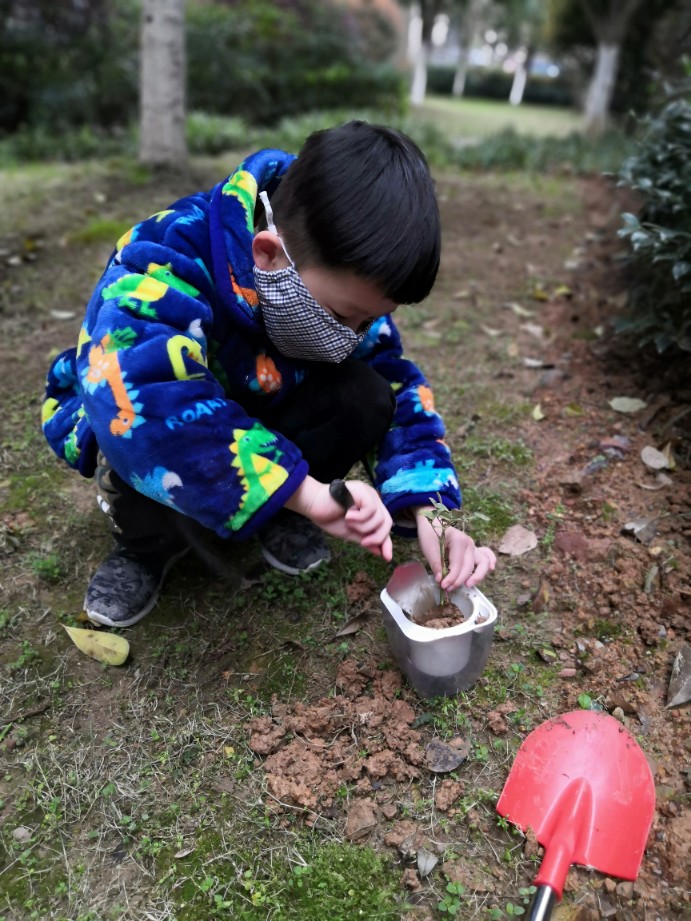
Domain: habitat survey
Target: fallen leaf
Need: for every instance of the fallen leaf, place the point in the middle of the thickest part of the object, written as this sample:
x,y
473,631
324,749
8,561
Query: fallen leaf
x,y
540,599
490,332
108,648
537,413
518,310
654,459
184,853
680,681
426,862
63,314
651,576
643,529
517,541
627,404
442,757
661,480
534,330
669,454
352,626
536,363
562,291
539,294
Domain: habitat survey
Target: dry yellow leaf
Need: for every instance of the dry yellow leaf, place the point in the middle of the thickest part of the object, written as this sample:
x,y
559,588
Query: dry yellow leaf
x,y
104,647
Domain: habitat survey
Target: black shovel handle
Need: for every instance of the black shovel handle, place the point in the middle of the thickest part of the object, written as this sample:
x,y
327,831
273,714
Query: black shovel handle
x,y
542,904
340,492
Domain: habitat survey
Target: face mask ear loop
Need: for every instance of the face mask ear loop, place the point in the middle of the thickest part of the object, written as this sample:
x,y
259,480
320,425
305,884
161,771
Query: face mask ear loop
x,y
268,210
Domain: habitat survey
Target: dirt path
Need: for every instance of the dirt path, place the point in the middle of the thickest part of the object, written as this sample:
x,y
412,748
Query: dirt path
x,y
246,749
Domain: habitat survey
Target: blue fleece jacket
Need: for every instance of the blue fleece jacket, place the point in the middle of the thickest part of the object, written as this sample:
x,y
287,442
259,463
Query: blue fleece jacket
x,y
173,340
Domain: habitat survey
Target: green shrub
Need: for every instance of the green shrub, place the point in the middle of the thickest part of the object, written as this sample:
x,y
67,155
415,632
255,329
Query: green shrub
x,y
659,309
66,64
68,144
262,62
574,153
214,134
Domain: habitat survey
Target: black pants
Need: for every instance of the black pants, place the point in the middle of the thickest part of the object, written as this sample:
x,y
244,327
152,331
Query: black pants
x,y
335,417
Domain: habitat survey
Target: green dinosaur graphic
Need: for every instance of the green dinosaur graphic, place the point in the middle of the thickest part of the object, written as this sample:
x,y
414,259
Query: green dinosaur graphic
x,y
260,477
139,292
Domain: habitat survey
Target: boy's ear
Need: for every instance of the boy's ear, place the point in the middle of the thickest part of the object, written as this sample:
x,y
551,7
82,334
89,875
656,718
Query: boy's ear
x,y
267,252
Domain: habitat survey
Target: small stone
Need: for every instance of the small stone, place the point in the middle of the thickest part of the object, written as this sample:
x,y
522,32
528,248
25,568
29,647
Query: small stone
x,y
361,819
410,880
625,890
610,885
618,714
22,834
389,810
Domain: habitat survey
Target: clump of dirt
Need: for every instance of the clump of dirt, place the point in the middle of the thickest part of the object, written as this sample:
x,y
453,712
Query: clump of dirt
x,y
362,736
439,616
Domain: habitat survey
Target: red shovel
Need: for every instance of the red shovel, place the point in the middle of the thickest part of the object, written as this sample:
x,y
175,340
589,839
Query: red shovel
x,y
582,783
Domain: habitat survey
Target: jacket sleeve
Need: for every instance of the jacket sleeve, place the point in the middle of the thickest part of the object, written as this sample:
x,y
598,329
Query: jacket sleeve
x,y
411,464
156,410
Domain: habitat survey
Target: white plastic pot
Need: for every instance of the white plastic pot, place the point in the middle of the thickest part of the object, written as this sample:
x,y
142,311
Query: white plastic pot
x,y
436,662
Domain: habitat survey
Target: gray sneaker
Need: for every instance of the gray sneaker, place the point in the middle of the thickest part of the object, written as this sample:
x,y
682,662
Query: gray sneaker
x,y
291,543
126,586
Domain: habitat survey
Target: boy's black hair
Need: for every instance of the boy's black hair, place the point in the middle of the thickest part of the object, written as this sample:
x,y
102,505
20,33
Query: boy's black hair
x,y
360,197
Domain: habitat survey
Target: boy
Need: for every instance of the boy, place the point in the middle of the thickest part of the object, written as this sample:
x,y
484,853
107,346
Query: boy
x,y
229,368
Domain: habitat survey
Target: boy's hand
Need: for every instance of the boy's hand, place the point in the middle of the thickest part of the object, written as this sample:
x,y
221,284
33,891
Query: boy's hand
x,y
467,563
367,523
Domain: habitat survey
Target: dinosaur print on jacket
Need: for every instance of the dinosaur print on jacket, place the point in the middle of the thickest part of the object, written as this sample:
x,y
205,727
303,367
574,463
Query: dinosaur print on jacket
x,y
139,292
260,477
104,369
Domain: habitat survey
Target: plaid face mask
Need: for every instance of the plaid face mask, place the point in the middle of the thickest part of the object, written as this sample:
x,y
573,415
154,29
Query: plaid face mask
x,y
294,321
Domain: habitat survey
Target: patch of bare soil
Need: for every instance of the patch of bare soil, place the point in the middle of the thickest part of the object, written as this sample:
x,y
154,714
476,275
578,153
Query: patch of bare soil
x,y
362,736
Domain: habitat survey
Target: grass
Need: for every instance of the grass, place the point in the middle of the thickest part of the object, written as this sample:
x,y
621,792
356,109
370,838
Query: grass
x,y
471,119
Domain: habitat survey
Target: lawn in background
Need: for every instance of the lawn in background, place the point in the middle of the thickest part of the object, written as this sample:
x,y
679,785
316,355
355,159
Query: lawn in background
x,y
472,119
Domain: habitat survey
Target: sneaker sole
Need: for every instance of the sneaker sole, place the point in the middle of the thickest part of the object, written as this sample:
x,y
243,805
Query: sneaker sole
x,y
291,570
105,621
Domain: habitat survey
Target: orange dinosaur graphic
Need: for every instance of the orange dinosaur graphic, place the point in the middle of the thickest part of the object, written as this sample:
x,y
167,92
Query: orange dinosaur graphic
x,y
104,369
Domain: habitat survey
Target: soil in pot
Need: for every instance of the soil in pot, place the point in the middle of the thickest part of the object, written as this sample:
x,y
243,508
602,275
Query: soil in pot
x,y
439,616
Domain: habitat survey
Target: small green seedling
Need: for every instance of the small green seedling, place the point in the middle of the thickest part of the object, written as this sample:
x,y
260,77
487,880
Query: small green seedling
x,y
451,903
441,519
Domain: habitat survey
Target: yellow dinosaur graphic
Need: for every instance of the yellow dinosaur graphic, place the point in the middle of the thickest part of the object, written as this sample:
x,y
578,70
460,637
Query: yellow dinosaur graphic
x,y
243,186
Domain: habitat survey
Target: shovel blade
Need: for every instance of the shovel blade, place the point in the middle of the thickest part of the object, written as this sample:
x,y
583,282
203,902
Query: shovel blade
x,y
583,784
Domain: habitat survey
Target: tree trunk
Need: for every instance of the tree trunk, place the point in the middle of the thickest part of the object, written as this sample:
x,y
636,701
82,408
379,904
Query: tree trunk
x,y
469,24
601,87
162,139
461,71
419,85
609,22
520,78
